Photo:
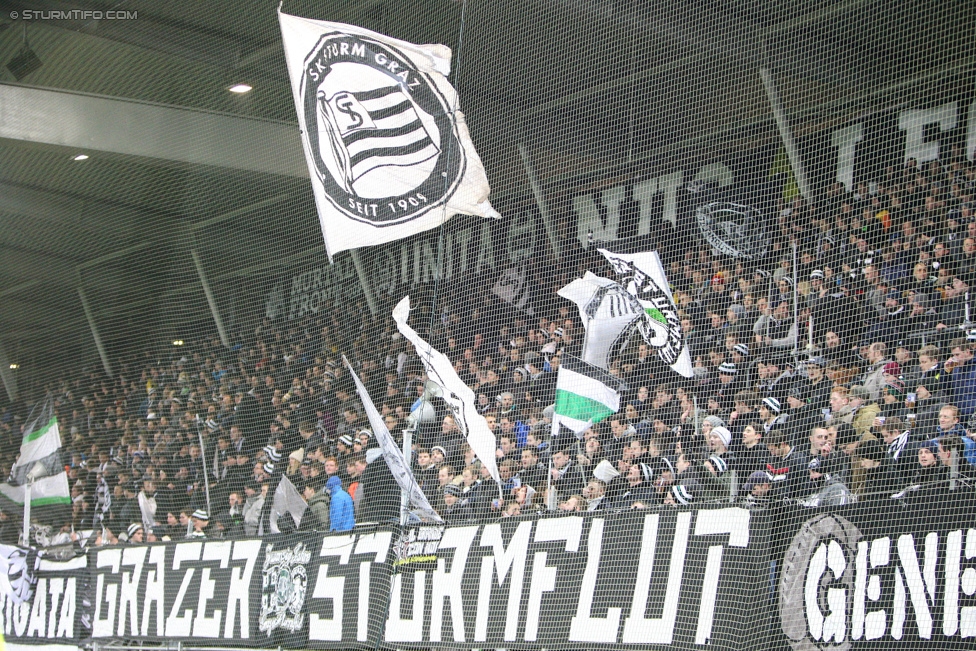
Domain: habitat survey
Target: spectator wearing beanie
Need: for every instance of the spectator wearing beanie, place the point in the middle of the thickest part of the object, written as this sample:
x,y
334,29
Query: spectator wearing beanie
x,y
317,516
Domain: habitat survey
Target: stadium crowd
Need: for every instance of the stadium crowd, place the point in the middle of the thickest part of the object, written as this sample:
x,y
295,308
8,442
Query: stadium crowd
x,y
847,375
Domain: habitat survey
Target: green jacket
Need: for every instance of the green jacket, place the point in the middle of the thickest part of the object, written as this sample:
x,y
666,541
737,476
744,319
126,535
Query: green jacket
x,y
316,516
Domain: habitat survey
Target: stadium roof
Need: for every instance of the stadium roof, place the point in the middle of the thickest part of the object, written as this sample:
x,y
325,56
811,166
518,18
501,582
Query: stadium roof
x,y
178,163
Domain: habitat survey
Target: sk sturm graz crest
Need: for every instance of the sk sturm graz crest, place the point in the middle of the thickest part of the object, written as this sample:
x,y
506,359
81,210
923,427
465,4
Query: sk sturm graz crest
x,y
733,229
285,582
387,148
380,133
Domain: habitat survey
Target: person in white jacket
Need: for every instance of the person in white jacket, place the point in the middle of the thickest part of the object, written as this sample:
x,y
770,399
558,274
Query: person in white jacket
x,y
252,508
873,379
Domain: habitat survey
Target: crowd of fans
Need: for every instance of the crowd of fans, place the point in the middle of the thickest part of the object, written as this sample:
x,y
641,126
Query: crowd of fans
x,y
847,375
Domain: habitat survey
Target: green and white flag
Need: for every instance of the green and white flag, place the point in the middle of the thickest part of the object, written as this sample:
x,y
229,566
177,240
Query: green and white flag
x,y
40,457
585,395
642,274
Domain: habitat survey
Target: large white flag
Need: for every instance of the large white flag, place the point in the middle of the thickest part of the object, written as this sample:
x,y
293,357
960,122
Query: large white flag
x,y
39,462
609,314
642,274
391,453
457,394
387,148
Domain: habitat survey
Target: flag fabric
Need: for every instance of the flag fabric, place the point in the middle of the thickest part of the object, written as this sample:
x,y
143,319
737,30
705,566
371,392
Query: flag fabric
x,y
459,396
585,395
40,457
287,501
18,572
642,274
512,288
609,314
392,454
388,151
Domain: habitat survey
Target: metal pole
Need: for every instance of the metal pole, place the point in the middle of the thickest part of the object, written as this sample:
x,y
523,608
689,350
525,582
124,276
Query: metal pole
x,y
967,324
9,379
94,330
550,502
540,200
792,152
364,282
810,332
953,469
796,307
211,300
203,461
25,536
404,496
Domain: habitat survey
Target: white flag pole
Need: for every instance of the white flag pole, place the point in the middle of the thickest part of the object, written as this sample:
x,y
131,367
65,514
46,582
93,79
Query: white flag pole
x,y
796,316
550,502
404,495
203,461
25,540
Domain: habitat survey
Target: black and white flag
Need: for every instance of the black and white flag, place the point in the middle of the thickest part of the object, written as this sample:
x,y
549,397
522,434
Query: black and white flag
x,y
18,568
387,149
733,229
609,314
458,396
393,456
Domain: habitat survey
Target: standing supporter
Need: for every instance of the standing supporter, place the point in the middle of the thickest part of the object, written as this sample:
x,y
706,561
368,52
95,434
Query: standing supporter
x,y
962,379
380,499
341,516
752,455
787,467
900,457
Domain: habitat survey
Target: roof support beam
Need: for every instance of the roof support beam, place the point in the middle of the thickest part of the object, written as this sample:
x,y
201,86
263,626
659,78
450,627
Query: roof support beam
x,y
211,299
7,375
92,123
106,364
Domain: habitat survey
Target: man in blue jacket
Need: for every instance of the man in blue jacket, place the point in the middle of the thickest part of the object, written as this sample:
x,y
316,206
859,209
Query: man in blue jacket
x,y
341,515
962,365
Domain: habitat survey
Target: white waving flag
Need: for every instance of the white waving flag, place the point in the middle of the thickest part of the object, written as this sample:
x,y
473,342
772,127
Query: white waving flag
x,y
609,314
457,394
286,501
387,149
642,274
391,453
40,457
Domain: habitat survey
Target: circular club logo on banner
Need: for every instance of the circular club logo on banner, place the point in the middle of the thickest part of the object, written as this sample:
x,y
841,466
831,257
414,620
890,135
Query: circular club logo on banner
x,y
733,229
381,135
817,584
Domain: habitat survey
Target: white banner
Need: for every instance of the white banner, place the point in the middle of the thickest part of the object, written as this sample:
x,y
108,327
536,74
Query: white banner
x,y
457,394
387,149
643,276
391,453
